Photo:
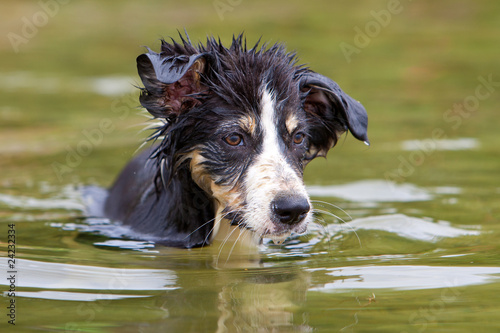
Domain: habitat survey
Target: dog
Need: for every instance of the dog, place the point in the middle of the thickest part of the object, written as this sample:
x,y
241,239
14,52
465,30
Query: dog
x,y
237,126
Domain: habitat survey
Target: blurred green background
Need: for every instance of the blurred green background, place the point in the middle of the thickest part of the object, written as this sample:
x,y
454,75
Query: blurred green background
x,y
67,64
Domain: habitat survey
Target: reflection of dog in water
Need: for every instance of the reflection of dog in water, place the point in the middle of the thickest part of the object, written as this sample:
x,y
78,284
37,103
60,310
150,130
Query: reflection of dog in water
x,y
260,300
237,127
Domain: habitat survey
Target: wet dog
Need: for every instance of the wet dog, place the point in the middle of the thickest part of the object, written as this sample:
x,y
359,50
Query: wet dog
x,y
237,127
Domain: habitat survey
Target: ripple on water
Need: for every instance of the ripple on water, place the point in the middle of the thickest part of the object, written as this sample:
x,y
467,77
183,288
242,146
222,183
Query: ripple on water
x,y
404,277
374,190
60,276
405,226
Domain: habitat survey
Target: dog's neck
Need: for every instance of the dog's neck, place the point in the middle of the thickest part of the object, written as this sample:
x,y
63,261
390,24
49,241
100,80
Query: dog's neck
x,y
187,207
224,232
194,209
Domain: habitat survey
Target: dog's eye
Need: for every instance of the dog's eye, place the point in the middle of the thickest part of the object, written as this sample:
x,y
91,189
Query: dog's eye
x,y
234,139
298,138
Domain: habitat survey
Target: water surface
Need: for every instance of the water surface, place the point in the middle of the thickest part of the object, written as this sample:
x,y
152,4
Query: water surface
x,y
408,272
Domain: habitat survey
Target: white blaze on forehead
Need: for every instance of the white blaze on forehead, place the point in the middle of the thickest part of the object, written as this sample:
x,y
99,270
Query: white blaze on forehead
x,y
270,144
271,152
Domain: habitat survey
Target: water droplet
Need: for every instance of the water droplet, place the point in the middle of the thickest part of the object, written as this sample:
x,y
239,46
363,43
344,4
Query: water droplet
x,y
278,241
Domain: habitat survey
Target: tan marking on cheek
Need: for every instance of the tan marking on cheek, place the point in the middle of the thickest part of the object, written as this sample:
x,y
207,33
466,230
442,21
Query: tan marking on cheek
x,y
248,124
224,195
227,196
198,172
291,123
224,199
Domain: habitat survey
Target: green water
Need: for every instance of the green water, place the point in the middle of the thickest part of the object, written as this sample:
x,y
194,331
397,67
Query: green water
x,y
407,238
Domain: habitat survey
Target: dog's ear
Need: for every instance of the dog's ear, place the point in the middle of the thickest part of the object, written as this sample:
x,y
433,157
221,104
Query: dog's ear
x,y
331,112
170,82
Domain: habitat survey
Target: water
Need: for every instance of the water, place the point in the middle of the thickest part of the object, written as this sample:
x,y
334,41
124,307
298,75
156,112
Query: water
x,y
406,235
370,268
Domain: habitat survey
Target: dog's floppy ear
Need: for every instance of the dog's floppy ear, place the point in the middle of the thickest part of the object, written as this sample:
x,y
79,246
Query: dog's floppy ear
x,y
170,82
331,112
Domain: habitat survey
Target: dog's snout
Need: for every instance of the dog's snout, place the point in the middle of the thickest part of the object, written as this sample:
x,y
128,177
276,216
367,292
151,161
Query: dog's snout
x,y
290,209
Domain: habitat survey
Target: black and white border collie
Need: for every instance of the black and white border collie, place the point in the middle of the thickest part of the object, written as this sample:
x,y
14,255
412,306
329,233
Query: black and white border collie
x,y
237,127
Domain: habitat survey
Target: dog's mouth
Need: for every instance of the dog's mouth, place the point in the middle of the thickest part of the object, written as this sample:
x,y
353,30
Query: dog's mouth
x,y
279,239
277,232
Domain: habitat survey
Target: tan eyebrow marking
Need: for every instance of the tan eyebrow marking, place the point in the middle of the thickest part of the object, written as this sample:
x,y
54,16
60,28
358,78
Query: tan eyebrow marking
x,y
291,123
248,124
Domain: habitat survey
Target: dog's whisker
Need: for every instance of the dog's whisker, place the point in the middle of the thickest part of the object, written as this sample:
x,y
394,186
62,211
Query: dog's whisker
x,y
323,203
224,242
234,229
334,206
205,241
242,233
204,224
221,218
342,220
211,230
321,211
320,221
237,228
201,226
322,224
232,247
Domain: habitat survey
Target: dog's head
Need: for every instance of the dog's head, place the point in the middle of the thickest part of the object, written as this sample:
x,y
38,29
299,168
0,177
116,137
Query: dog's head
x,y
245,122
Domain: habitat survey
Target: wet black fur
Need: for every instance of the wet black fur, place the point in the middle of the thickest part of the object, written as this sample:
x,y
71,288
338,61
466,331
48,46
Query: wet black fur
x,y
155,193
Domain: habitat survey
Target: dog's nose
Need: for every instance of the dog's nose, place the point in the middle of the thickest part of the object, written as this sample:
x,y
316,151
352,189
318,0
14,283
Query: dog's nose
x,y
290,209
